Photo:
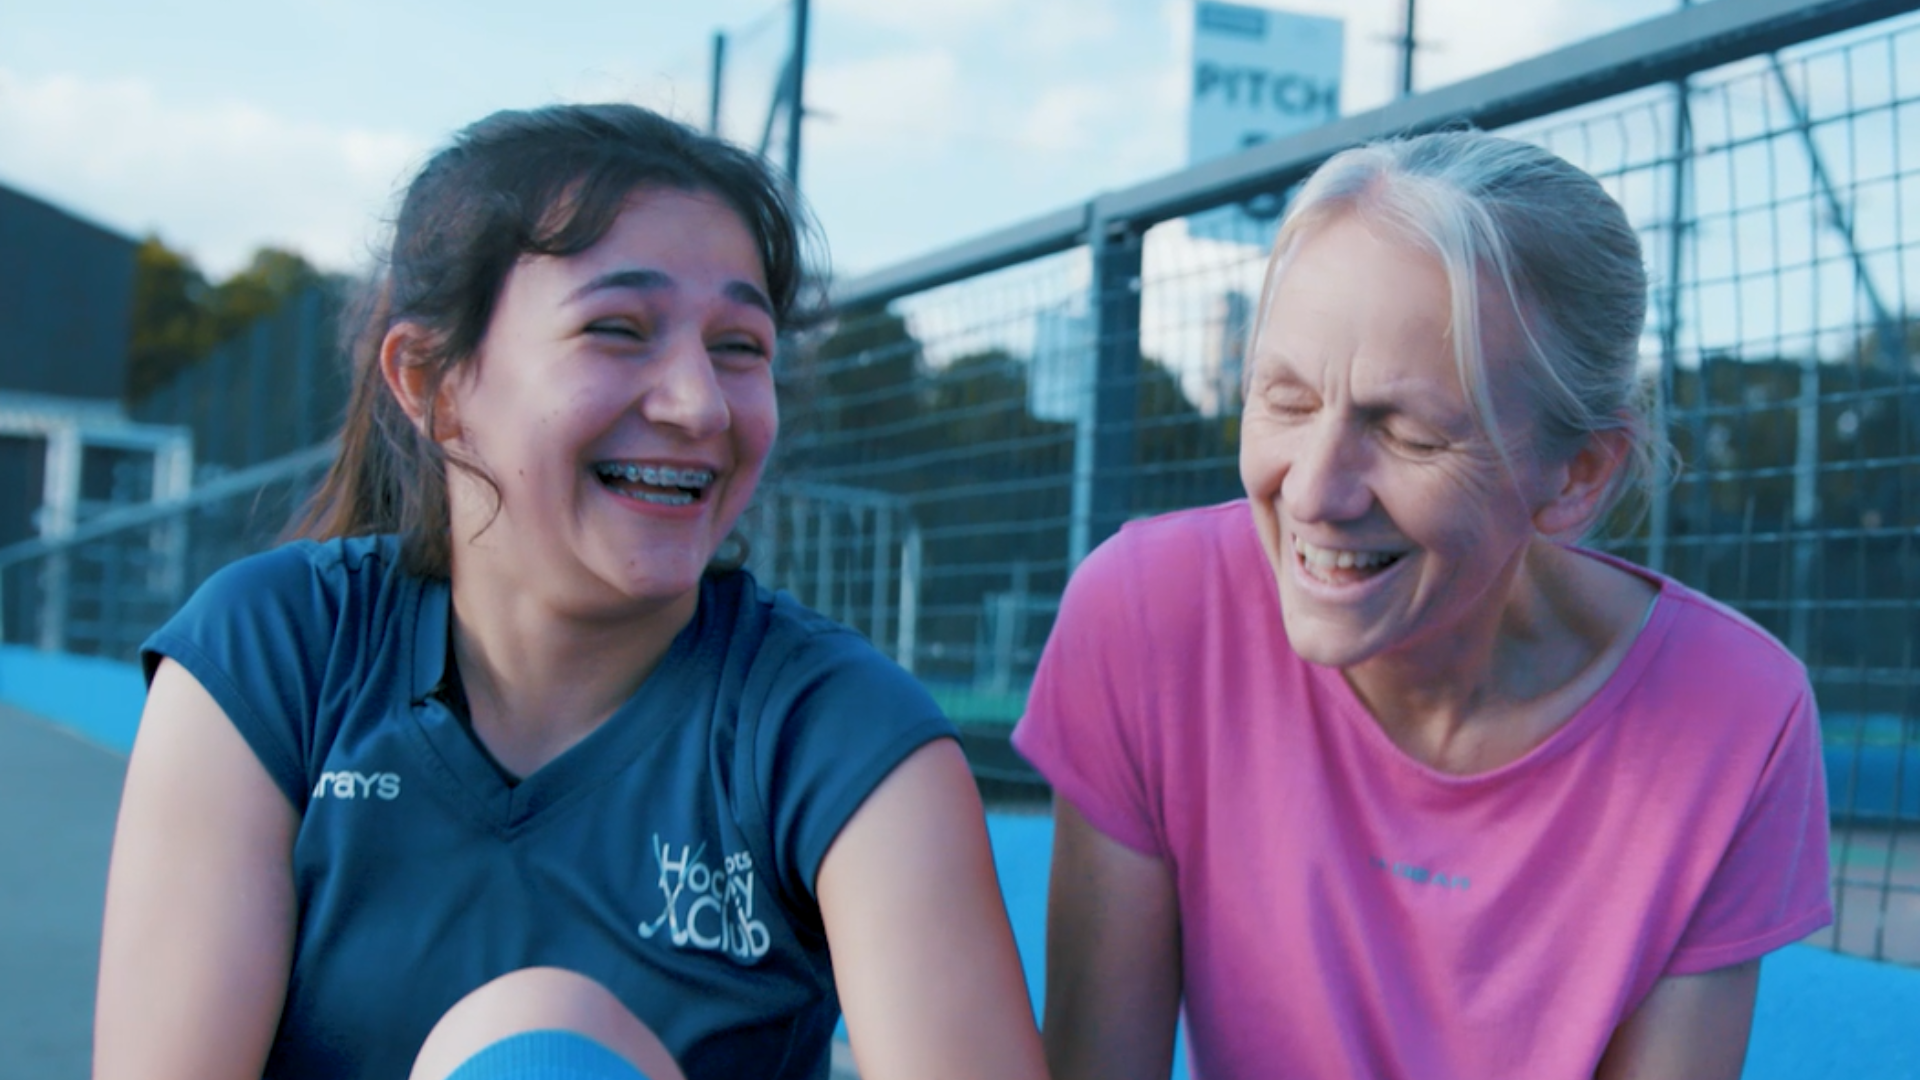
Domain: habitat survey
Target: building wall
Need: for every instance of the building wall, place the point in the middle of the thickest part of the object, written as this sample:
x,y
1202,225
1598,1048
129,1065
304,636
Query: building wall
x,y
66,297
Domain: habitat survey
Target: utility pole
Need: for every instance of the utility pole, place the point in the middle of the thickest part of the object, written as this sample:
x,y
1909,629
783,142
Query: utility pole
x,y
1407,44
719,76
796,96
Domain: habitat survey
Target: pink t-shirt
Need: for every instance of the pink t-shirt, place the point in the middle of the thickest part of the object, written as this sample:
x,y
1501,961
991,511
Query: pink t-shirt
x,y
1348,911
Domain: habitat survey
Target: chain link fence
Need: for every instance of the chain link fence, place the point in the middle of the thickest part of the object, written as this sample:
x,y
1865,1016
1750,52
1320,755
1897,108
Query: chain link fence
x,y
1025,394
978,419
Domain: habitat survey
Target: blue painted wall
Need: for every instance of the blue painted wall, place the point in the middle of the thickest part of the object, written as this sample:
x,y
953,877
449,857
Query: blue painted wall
x,y
100,699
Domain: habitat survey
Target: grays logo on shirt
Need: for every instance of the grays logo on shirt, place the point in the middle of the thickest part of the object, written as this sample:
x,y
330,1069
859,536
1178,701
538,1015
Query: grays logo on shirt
x,y
357,785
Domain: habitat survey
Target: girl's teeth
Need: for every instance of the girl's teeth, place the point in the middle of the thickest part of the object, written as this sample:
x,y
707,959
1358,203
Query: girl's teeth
x,y
678,498
663,476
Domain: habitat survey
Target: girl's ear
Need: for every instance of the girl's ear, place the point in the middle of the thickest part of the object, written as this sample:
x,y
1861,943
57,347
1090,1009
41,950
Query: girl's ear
x,y
408,374
1582,483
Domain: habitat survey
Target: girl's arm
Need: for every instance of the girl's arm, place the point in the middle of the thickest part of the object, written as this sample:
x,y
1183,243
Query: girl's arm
x,y
922,952
200,905
1113,957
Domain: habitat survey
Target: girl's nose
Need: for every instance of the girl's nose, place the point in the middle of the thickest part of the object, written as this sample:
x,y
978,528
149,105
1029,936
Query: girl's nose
x,y
685,392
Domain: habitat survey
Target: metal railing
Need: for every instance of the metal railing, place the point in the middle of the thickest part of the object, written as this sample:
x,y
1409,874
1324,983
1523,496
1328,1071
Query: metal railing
x,y
982,416
1027,392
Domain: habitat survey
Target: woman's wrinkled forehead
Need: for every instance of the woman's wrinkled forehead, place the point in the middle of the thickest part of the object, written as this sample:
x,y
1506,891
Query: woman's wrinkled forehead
x,y
1479,321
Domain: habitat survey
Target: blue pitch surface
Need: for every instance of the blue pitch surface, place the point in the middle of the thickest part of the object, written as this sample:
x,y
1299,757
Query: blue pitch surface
x,y
1820,1016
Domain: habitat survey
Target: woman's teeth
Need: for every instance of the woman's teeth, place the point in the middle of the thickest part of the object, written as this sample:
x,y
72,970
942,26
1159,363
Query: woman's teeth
x,y
1321,559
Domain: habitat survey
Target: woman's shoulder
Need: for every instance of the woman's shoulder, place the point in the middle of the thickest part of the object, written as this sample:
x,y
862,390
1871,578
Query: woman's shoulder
x,y
1175,552
1169,569
1221,530
1694,642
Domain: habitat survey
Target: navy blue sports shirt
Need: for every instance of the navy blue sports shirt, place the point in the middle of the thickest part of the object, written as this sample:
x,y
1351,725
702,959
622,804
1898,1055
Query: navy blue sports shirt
x,y
670,855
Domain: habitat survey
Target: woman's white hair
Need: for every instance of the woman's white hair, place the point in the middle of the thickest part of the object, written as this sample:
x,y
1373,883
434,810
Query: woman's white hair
x,y
1509,219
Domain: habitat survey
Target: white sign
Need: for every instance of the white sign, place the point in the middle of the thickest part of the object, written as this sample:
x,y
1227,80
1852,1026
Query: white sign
x,y
1258,74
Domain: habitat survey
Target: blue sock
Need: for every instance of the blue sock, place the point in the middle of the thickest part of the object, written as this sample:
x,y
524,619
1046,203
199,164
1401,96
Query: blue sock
x,y
546,1055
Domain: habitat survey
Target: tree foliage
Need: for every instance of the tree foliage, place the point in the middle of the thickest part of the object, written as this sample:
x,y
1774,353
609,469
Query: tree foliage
x,y
179,317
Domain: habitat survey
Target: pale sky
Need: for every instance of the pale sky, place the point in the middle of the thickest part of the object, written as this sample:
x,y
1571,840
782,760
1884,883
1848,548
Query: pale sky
x,y
223,125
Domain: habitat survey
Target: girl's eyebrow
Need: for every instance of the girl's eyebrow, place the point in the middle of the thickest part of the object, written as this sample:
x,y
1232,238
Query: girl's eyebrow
x,y
642,280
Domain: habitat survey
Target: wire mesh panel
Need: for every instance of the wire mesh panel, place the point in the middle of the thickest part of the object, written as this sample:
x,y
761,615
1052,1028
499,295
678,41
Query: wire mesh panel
x,y
851,554
129,569
1024,413
953,447
972,437
1778,208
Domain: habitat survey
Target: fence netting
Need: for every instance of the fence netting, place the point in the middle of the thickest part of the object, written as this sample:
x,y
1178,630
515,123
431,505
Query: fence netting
x,y
947,457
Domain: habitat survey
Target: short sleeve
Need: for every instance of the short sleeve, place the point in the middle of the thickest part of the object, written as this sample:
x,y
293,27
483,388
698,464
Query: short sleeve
x,y
835,718
255,635
1083,723
1771,886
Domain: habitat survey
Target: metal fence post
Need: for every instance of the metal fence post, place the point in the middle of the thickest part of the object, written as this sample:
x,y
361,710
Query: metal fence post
x,y
221,406
908,641
172,479
1660,495
59,515
1106,428
1806,505
306,347
882,564
259,352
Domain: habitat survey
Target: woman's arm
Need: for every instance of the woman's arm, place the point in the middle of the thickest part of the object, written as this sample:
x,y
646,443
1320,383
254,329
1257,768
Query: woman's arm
x,y
200,906
1113,957
1691,1027
922,953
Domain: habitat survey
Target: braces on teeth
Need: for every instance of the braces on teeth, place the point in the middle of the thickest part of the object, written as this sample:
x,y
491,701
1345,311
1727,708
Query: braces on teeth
x,y
659,476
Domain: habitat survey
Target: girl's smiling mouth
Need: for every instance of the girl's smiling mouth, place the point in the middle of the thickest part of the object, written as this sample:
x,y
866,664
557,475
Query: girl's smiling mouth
x,y
662,485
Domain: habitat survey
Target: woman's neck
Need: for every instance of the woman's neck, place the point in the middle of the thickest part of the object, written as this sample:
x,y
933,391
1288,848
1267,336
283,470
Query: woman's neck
x,y
1486,692
539,679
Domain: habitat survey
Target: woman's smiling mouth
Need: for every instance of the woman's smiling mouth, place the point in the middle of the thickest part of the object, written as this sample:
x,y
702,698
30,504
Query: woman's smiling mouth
x,y
1341,566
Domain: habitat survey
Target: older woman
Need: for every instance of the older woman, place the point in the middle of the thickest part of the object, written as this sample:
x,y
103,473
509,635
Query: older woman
x,y
1375,773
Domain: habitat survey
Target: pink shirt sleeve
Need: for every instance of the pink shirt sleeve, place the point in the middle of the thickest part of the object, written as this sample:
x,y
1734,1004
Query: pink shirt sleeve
x,y
1083,728
1771,887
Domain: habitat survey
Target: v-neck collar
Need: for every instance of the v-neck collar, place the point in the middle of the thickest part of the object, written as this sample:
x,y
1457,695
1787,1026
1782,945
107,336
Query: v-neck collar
x,y
679,686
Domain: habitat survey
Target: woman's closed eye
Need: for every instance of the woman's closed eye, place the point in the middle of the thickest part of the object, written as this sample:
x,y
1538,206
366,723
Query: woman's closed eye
x,y
1291,405
1412,442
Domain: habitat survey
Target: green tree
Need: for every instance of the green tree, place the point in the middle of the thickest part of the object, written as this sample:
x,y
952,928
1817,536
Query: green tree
x,y
170,326
179,317
269,280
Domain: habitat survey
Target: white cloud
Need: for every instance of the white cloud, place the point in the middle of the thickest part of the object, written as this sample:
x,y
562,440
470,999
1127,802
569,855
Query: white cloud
x,y
1062,26
217,180
899,102
928,19
1067,117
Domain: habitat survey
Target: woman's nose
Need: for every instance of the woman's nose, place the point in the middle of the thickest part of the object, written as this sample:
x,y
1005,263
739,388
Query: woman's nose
x,y
1326,480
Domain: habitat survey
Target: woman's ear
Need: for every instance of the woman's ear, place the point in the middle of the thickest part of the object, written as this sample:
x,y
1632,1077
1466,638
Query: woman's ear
x,y
409,377
1582,483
